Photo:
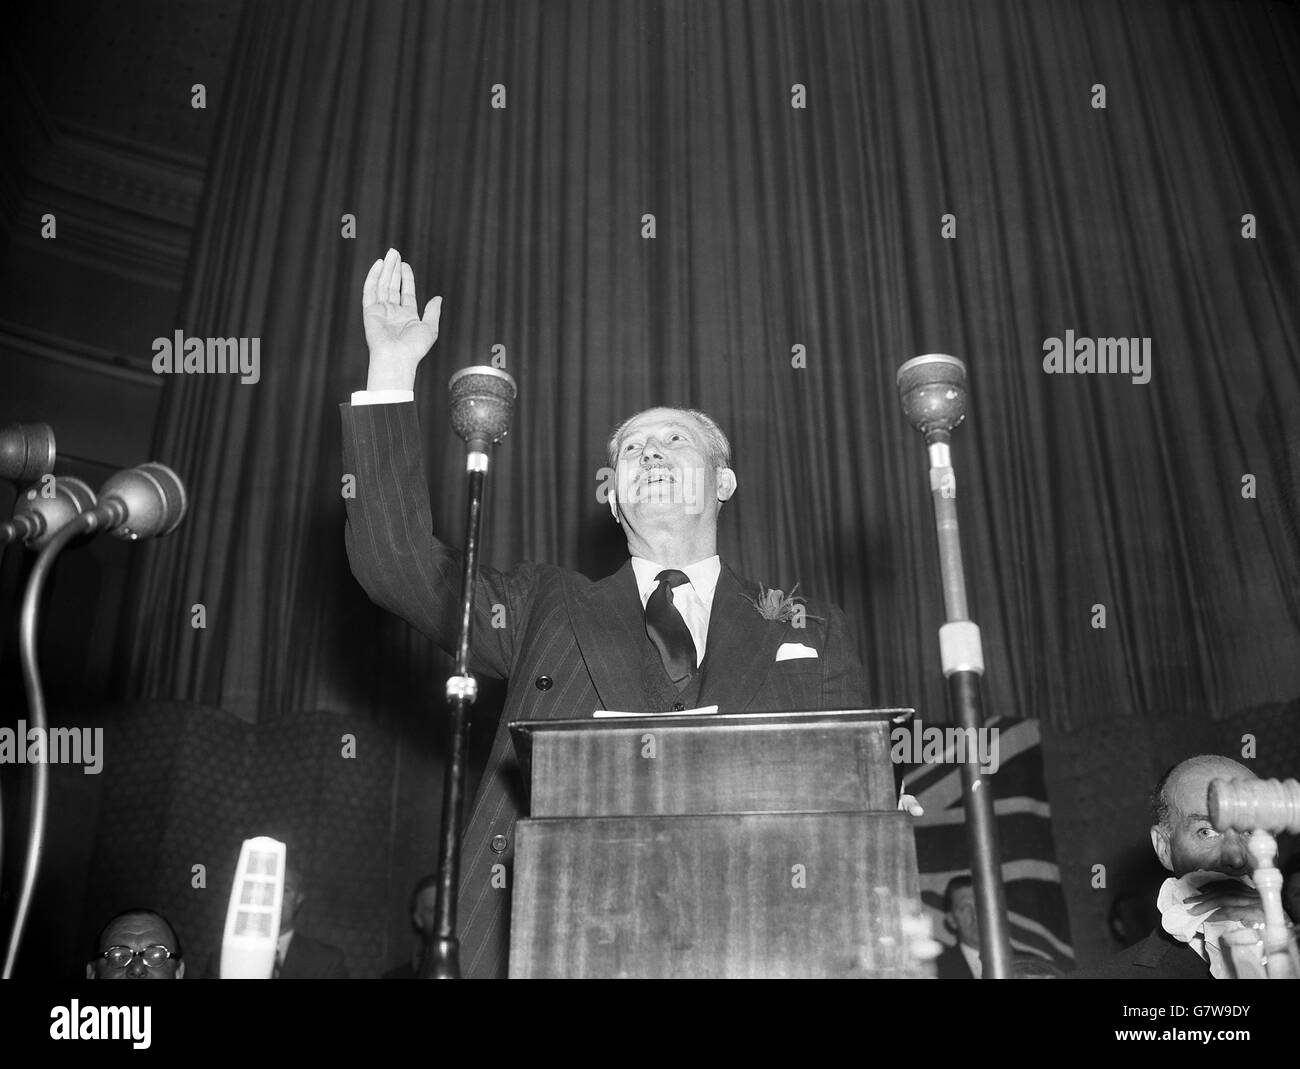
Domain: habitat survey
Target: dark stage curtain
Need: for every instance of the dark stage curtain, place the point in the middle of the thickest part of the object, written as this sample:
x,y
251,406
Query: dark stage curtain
x,y
799,255
776,227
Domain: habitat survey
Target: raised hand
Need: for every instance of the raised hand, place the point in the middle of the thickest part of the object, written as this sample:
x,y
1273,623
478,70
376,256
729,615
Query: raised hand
x,y
398,336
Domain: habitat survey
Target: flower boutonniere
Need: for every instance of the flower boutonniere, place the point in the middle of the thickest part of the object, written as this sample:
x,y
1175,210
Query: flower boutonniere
x,y
776,604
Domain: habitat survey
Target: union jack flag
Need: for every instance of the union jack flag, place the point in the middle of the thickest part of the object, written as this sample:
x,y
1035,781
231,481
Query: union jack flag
x,y
1035,902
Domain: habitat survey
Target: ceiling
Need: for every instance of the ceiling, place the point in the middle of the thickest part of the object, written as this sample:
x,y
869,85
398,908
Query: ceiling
x,y
124,68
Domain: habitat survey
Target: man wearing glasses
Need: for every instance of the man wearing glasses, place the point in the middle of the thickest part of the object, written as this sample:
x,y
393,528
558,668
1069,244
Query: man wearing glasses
x,y
137,945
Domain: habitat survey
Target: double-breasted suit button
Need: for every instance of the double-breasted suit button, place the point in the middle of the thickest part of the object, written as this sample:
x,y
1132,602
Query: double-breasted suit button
x,y
544,683
498,844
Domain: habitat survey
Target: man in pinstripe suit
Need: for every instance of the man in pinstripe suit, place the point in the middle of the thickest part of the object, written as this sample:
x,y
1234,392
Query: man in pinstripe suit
x,y
673,629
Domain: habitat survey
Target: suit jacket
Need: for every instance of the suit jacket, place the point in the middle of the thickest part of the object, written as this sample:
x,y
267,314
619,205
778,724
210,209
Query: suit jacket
x,y
1157,957
310,959
569,646
951,965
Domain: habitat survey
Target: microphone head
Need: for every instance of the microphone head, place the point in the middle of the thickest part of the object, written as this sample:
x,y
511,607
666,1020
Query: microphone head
x,y
154,497
70,499
933,391
482,401
26,451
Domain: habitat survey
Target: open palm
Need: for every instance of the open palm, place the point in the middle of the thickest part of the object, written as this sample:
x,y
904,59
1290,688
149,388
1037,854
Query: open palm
x,y
395,331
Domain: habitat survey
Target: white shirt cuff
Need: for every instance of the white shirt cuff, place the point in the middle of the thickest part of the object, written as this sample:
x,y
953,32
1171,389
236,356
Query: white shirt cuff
x,y
382,397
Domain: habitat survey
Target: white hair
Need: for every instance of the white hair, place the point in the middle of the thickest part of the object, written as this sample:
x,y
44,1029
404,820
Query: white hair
x,y
716,447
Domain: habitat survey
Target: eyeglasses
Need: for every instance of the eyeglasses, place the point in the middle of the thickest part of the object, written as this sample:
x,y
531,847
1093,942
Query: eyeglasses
x,y
152,956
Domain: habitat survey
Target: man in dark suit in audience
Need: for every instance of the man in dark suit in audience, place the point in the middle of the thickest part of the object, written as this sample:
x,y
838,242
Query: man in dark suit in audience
x,y
1185,841
962,961
423,912
297,956
675,628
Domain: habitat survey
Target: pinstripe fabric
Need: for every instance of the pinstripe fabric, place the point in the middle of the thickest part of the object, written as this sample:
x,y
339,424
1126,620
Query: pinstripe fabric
x,y
588,637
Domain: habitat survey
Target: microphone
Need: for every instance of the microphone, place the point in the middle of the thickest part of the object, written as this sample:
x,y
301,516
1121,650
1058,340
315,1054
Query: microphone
x,y
932,388
933,391
482,401
26,451
38,517
252,928
142,502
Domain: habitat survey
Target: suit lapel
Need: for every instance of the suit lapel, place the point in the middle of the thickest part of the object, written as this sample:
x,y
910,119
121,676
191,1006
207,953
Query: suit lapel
x,y
609,624
741,649
1163,952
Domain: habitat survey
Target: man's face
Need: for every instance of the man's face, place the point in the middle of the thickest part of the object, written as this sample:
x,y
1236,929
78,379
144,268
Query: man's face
x,y
964,919
137,931
425,917
663,470
1190,841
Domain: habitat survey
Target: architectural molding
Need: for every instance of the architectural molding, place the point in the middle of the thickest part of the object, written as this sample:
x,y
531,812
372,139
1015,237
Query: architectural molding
x,y
18,337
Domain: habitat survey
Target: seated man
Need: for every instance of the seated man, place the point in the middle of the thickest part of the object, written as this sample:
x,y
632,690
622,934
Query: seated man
x,y
1186,842
297,956
960,962
424,902
137,944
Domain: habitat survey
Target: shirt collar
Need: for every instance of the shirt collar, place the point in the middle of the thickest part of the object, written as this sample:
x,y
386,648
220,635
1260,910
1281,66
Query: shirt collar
x,y
703,575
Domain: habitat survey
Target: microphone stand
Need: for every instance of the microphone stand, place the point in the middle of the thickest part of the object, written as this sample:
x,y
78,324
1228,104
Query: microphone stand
x,y
481,399
141,502
28,627
933,389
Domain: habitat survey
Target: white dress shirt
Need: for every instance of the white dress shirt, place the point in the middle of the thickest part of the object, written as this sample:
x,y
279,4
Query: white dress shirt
x,y
382,397
694,600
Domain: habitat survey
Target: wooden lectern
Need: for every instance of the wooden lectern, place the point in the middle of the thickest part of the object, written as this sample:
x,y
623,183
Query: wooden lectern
x,y
724,845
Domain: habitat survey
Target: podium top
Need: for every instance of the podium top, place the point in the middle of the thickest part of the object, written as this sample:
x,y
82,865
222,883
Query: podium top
x,y
592,763
692,719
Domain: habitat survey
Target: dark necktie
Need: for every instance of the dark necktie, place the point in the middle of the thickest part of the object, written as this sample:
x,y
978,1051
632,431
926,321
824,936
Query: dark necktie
x,y
667,629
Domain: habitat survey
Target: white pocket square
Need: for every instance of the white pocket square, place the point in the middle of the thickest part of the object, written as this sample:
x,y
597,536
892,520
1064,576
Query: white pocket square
x,y
790,651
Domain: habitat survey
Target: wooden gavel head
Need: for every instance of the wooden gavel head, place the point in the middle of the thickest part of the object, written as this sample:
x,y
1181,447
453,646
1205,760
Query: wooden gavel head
x,y
1255,804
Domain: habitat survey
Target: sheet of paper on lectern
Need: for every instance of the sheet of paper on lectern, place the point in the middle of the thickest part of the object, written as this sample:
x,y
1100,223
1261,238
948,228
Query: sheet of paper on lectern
x,y
603,714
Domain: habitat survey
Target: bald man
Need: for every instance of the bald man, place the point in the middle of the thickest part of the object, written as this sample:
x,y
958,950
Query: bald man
x,y
1185,841
138,944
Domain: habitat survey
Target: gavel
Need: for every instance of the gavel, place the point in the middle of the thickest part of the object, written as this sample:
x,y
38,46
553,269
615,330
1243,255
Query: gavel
x,y
1263,809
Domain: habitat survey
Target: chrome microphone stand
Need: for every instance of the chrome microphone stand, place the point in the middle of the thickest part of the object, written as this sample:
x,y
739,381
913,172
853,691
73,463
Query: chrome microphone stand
x,y
933,391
